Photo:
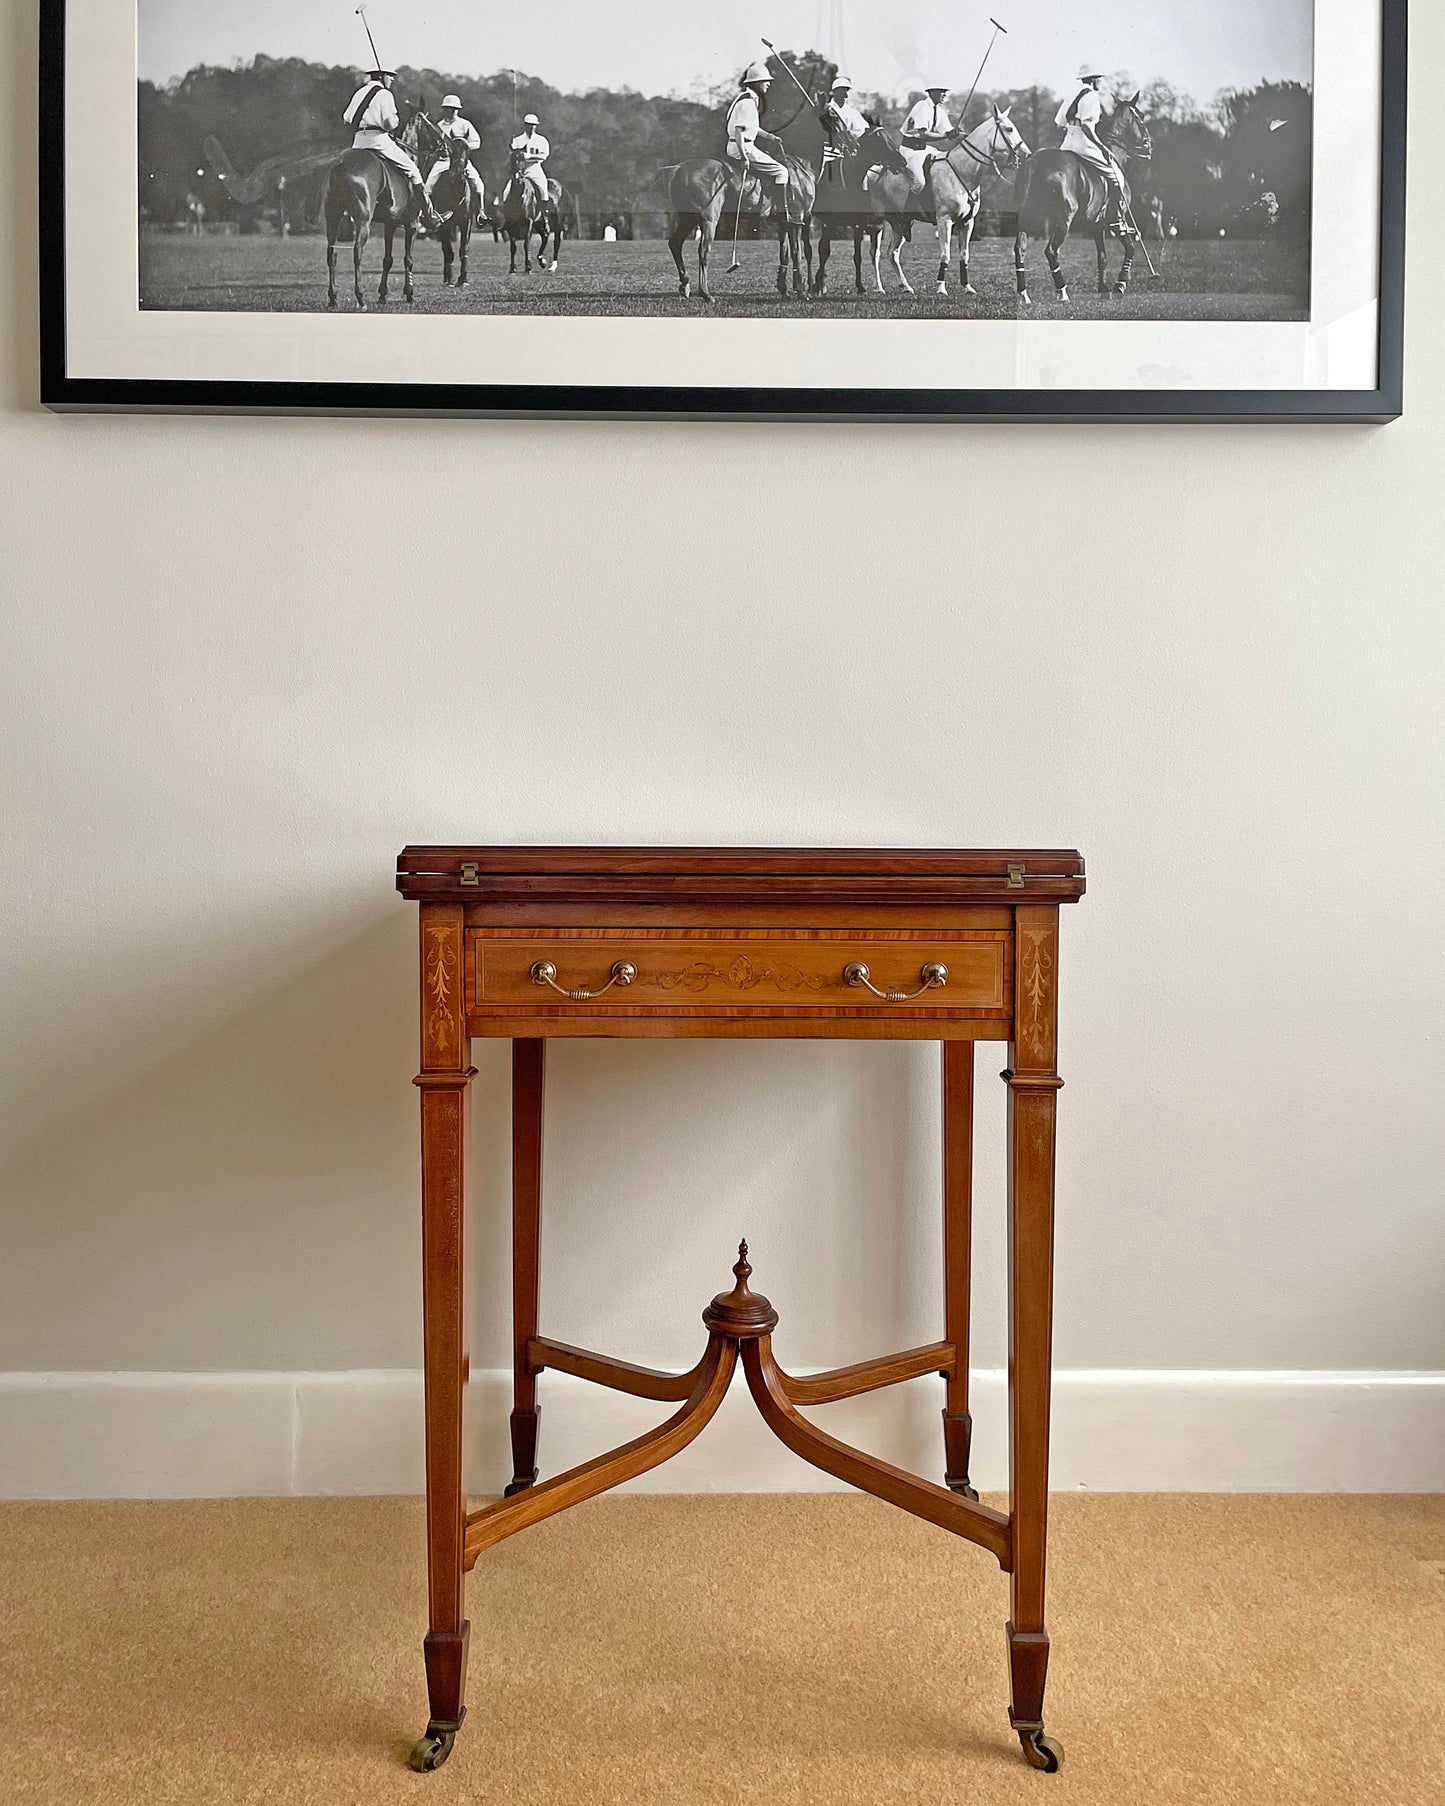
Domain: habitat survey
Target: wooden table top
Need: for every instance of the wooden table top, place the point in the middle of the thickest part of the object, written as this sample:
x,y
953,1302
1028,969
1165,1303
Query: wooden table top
x,y
473,874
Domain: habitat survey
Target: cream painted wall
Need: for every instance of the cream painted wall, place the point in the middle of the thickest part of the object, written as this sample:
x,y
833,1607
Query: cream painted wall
x,y
229,700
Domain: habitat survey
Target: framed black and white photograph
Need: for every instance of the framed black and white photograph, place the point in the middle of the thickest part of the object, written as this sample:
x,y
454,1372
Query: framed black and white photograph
x,y
1060,209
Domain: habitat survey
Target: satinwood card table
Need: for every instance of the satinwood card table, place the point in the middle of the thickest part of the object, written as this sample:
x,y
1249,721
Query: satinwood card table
x,y
534,942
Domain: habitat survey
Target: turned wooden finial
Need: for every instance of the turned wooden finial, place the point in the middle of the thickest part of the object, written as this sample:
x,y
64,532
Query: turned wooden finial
x,y
740,1313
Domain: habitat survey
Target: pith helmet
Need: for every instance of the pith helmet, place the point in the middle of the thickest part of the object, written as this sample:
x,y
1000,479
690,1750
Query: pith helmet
x,y
842,81
936,88
377,75
452,100
1088,73
531,119
756,72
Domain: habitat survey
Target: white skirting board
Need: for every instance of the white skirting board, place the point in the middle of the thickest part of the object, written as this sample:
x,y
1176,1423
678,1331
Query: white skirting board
x,y
205,1435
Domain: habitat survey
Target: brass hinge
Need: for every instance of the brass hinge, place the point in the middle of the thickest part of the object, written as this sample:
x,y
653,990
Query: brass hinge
x,y
1015,877
471,872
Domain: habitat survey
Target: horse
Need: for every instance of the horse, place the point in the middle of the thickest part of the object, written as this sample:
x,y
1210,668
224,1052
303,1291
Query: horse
x,y
554,222
523,213
952,194
452,198
363,187
845,205
1057,187
701,189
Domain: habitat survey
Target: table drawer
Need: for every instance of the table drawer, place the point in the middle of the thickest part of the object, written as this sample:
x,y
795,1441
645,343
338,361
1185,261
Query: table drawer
x,y
615,970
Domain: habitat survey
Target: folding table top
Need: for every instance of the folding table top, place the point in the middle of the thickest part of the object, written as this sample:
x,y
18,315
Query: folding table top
x,y
838,874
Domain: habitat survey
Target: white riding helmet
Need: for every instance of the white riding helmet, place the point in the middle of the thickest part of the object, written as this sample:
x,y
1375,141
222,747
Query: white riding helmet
x,y
841,81
531,119
1088,73
379,75
937,88
756,72
452,100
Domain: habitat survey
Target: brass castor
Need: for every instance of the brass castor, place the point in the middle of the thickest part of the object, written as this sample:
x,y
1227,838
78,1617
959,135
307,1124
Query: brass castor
x,y
432,1748
961,1486
1042,1752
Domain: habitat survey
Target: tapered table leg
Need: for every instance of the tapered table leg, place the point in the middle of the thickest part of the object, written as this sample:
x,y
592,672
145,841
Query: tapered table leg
x,y
957,1253
445,1082
1033,1087
528,1073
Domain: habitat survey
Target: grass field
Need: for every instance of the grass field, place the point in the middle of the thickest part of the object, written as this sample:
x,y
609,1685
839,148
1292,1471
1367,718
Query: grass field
x,y
1244,279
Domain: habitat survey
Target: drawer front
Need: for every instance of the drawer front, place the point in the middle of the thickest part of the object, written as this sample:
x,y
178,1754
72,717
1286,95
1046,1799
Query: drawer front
x,y
698,972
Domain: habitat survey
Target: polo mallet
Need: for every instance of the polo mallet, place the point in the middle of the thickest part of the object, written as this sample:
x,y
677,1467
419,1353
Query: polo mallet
x,y
376,61
1154,275
997,28
791,75
735,266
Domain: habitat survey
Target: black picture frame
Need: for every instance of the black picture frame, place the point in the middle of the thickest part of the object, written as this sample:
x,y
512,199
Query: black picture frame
x,y
62,392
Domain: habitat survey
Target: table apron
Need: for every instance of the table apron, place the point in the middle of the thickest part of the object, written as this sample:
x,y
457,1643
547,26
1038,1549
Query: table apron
x,y
741,1025
692,978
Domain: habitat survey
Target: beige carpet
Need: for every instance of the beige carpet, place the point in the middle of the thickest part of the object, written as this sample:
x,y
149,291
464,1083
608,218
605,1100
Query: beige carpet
x,y
734,1649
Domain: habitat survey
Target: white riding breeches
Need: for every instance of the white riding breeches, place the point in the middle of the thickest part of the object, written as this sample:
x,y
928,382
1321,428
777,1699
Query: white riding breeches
x,y
1088,152
535,176
474,180
758,163
388,149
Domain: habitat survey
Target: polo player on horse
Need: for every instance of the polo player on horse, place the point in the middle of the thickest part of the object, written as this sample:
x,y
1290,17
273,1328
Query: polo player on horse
x,y
744,129
372,115
453,124
927,124
841,120
846,126
530,151
1081,119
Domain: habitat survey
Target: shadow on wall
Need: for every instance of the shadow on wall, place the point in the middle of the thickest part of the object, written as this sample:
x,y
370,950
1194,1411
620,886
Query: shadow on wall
x,y
251,1201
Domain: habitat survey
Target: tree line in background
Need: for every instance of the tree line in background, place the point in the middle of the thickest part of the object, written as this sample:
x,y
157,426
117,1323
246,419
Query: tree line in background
x,y
1242,164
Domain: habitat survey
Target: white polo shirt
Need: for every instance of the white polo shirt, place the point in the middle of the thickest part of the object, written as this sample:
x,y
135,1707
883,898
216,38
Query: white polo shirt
x,y
533,146
379,114
463,129
928,116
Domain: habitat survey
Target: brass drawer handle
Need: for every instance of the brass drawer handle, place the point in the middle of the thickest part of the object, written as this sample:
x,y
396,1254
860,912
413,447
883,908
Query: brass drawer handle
x,y
545,973
934,976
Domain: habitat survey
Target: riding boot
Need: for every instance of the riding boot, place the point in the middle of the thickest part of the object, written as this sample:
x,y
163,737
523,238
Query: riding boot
x,y
1118,220
430,218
